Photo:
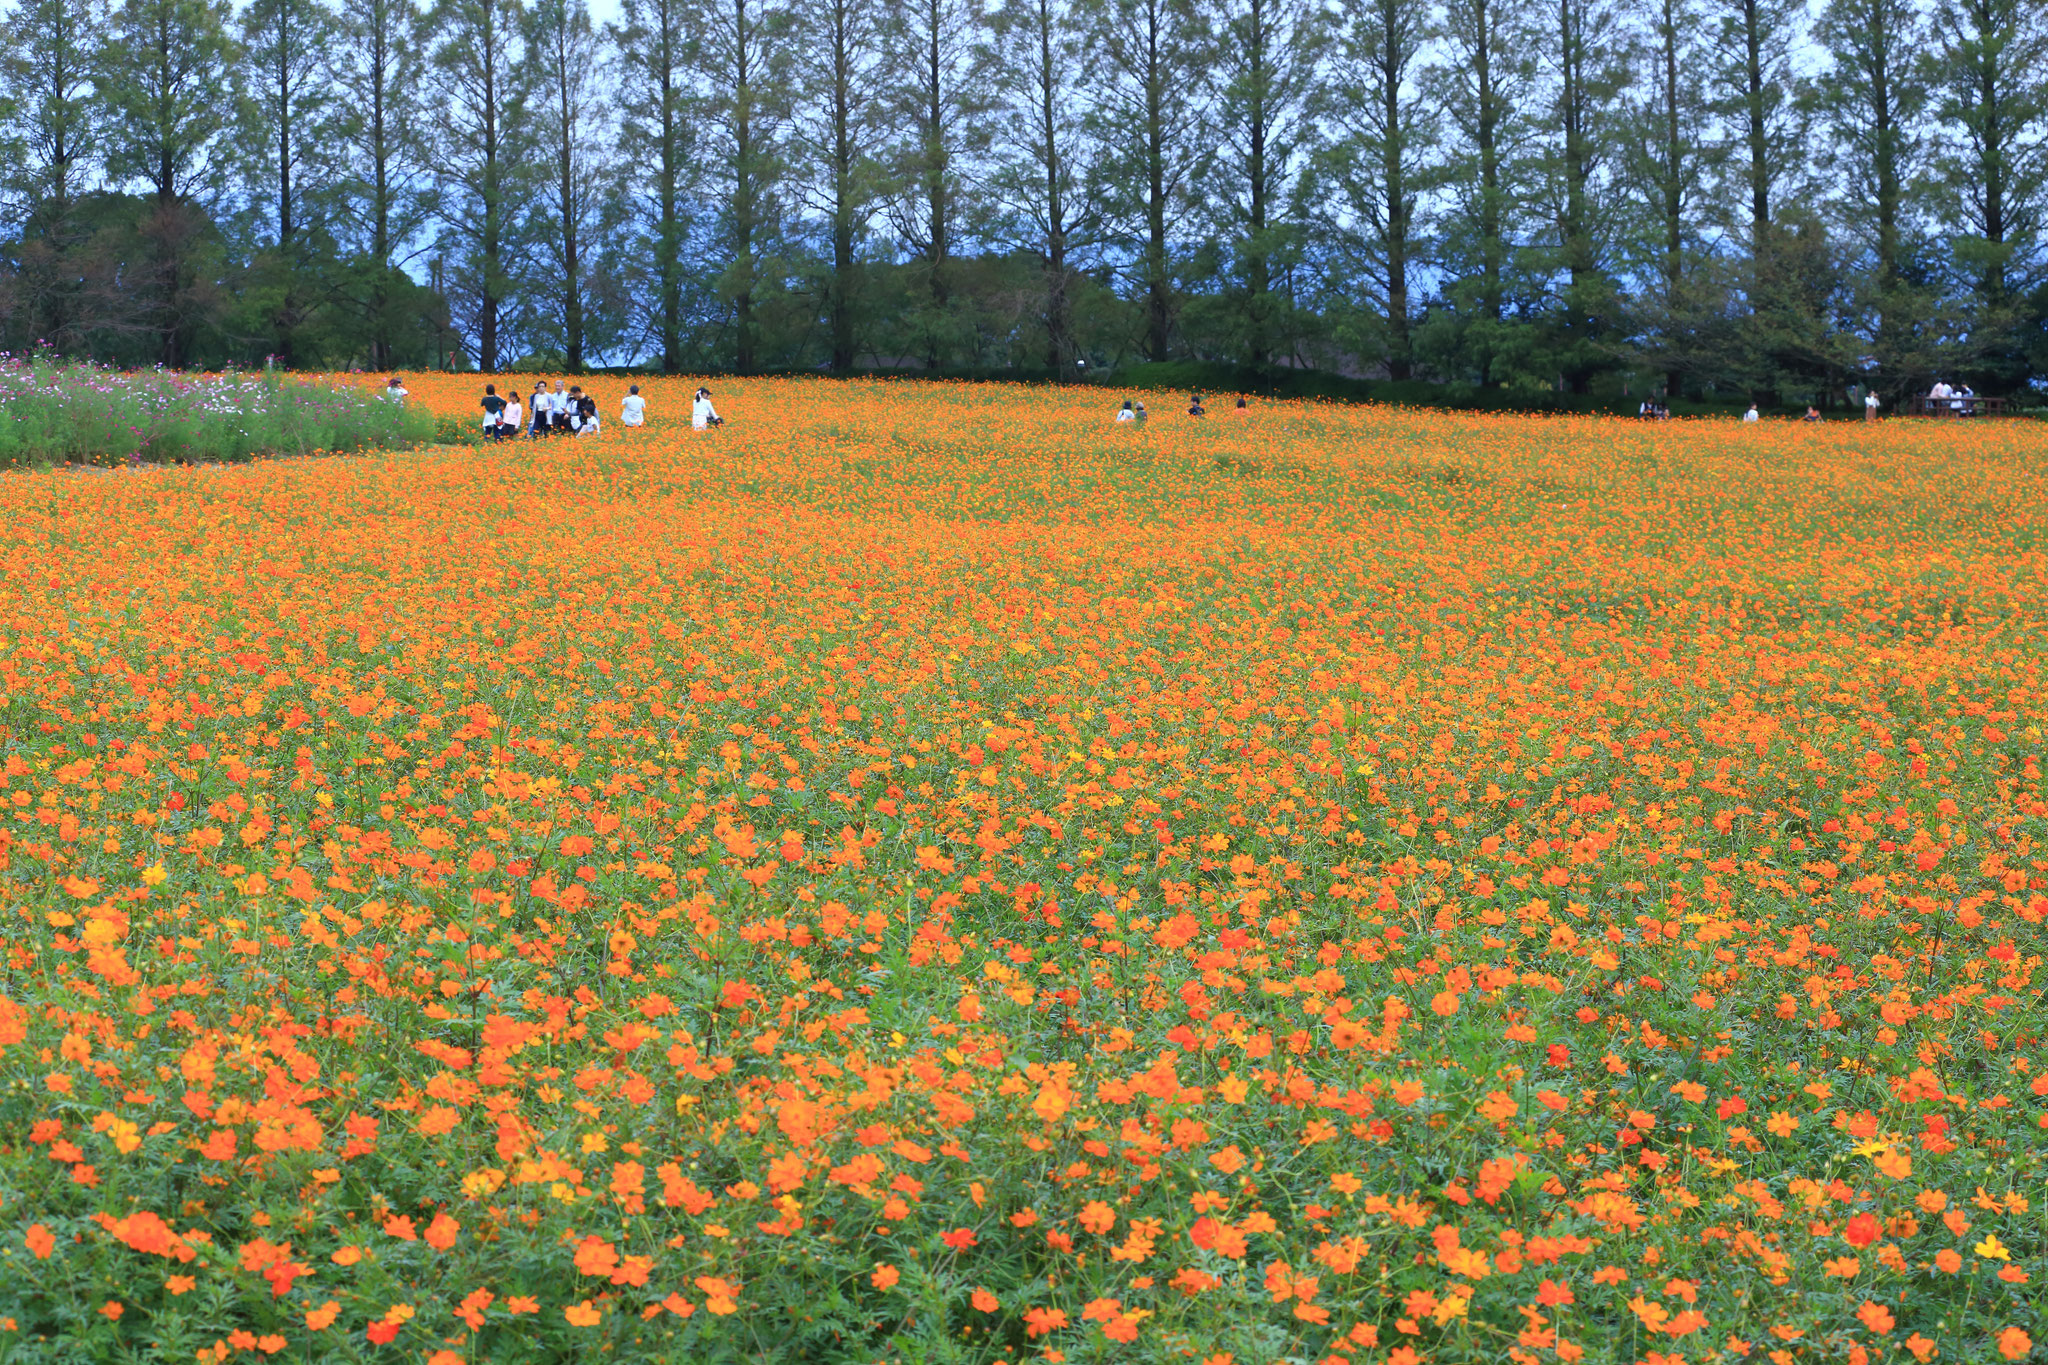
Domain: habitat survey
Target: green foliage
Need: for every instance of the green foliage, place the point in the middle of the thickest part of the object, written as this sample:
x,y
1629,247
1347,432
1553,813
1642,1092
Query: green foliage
x,y
82,414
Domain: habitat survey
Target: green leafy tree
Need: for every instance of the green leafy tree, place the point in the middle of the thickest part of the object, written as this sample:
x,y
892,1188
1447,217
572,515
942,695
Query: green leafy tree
x,y
1266,71
1379,161
481,150
1873,99
1151,118
745,65
171,92
382,194
1988,72
1672,150
1485,86
942,97
654,51
839,58
1581,140
1048,202
287,122
574,175
51,146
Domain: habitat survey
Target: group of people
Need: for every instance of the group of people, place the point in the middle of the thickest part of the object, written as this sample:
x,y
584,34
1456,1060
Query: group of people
x,y
1958,399
1653,411
568,411
565,410
1135,411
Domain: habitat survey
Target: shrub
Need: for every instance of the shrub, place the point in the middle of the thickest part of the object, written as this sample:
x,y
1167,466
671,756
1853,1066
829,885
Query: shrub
x,y
62,413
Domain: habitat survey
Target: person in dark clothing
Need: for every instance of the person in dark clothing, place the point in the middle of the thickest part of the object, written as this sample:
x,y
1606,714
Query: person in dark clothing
x,y
494,412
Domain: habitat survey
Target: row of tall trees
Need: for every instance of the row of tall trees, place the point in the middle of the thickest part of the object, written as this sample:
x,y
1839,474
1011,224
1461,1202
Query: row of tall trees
x,y
1736,196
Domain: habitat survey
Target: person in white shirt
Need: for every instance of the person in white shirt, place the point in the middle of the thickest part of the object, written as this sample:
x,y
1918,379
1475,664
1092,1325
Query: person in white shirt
x,y
586,413
632,408
1750,416
1870,405
558,407
1124,413
512,424
539,415
394,392
702,414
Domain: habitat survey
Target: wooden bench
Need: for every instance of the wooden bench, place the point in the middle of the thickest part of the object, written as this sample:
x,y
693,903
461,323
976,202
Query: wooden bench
x,y
1977,406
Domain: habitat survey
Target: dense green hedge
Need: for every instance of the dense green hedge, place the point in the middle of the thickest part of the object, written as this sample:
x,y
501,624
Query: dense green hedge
x,y
83,414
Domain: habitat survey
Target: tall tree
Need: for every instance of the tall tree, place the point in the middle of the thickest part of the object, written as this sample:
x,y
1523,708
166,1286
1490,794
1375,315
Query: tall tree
x,y
573,172
1484,84
1990,77
1265,66
1150,116
378,64
286,46
1670,153
483,140
746,66
840,50
654,52
1586,76
1379,160
1874,100
941,93
1041,173
170,73
1755,91
53,129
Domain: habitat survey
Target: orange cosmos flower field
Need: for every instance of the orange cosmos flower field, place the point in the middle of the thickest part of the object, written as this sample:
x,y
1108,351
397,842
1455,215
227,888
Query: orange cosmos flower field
x,y
925,874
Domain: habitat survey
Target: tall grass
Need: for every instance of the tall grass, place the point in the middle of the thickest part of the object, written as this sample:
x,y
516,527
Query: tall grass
x,y
69,413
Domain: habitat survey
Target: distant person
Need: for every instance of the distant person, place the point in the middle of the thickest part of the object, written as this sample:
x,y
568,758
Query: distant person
x,y
394,392
541,412
1870,405
633,408
1124,413
1242,409
1751,415
1140,410
1812,414
573,402
494,411
1195,408
1647,411
512,420
559,410
586,413
1966,401
703,415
